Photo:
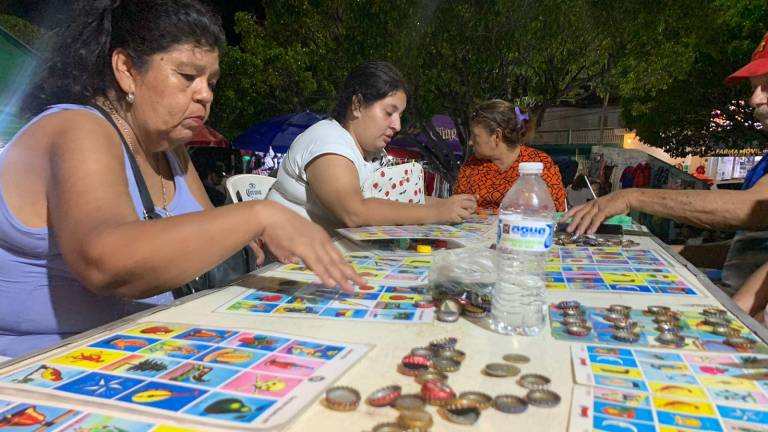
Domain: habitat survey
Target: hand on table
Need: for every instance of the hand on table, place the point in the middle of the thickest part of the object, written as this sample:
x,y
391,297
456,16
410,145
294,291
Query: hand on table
x,y
587,217
455,209
291,238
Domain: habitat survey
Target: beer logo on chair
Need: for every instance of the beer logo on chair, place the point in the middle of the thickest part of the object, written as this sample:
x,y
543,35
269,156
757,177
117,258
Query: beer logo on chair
x,y
252,191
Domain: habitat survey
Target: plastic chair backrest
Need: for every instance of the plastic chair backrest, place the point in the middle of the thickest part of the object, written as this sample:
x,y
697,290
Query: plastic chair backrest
x,y
248,187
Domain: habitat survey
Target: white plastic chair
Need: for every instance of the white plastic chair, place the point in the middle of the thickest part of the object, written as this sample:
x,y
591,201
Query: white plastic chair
x,y
248,187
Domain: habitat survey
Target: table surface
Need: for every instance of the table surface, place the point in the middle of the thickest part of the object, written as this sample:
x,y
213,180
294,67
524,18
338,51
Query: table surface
x,y
390,342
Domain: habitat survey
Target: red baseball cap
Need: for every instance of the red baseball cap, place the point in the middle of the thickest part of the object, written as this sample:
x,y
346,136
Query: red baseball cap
x,y
758,66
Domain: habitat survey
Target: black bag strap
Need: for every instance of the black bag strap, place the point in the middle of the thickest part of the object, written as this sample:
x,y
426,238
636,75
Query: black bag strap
x,y
146,198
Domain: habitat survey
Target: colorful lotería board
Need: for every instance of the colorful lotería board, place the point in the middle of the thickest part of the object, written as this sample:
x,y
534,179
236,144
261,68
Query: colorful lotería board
x,y
649,390
698,336
201,376
434,232
374,268
284,297
25,416
624,279
590,256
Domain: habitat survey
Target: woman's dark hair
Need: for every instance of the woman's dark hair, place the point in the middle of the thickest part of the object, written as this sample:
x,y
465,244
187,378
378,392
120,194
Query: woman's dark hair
x,y
579,183
78,63
517,125
370,81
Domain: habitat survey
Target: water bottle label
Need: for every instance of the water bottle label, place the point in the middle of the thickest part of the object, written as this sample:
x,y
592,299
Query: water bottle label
x,y
517,233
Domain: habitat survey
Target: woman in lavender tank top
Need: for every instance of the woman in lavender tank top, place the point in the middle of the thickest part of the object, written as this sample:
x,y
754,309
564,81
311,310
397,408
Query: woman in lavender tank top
x,y
75,251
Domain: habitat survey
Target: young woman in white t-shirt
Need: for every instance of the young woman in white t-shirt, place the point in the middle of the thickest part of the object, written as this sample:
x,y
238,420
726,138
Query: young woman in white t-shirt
x,y
326,165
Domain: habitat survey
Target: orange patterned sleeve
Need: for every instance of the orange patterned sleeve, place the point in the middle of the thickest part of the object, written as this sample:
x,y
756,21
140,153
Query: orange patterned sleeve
x,y
463,183
554,181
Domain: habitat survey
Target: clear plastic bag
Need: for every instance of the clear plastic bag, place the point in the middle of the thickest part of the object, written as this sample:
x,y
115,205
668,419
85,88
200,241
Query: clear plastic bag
x,y
467,273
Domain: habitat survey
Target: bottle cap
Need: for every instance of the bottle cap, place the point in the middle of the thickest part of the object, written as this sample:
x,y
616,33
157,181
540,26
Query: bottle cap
x,y
409,402
444,364
479,399
577,330
388,427
516,358
431,376
626,336
542,398
533,381
510,404
740,342
412,365
658,310
446,342
500,370
451,353
437,392
424,249
416,420
670,339
460,412
342,398
531,167
423,352
384,396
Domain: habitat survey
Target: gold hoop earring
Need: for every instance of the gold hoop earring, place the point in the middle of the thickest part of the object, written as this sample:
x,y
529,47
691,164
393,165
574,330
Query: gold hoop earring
x,y
130,98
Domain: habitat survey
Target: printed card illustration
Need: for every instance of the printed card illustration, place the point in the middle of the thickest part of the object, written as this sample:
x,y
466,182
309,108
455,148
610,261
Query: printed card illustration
x,y
209,378
652,390
314,300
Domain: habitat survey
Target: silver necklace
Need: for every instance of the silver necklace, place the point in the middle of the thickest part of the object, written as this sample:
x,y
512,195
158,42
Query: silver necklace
x,y
126,128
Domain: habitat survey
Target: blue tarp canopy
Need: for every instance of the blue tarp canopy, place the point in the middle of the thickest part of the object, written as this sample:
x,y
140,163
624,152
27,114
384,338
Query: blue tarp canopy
x,y
277,132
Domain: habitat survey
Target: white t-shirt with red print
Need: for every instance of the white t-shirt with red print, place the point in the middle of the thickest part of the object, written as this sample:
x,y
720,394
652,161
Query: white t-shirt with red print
x,y
292,189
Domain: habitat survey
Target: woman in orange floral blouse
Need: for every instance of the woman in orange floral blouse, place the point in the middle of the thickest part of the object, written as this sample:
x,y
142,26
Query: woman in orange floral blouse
x,y
499,134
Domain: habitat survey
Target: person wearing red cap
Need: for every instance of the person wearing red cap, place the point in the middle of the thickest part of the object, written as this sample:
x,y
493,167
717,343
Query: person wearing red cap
x,y
711,209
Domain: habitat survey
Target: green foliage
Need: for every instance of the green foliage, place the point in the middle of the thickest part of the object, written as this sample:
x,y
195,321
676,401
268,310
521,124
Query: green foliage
x,y
21,29
454,54
663,60
671,83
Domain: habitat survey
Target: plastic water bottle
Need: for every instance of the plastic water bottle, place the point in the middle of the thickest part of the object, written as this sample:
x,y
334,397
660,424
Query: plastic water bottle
x,y
526,228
